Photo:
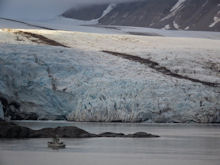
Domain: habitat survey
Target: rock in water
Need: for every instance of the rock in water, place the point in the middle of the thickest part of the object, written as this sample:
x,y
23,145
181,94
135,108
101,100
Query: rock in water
x,y
141,135
11,130
64,132
135,135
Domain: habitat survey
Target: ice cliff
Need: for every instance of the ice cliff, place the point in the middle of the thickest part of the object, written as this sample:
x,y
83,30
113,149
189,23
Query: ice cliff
x,y
82,85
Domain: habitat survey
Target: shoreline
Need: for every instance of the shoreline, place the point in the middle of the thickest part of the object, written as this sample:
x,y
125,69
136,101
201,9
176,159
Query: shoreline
x,y
128,123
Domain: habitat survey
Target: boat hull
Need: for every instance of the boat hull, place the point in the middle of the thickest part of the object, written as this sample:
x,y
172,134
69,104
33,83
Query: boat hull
x,y
56,145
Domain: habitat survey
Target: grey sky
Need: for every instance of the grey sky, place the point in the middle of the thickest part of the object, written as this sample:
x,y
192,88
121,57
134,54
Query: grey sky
x,y
43,8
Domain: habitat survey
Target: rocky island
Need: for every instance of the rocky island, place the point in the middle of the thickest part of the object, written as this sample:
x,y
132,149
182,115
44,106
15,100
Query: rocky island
x,y
11,130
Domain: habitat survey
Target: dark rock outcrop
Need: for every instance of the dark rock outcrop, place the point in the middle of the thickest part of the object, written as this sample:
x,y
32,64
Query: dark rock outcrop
x,y
11,130
141,135
12,110
135,135
64,132
140,13
111,134
1,112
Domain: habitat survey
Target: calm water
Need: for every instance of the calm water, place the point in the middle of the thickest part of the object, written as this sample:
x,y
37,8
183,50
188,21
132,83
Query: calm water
x,y
179,144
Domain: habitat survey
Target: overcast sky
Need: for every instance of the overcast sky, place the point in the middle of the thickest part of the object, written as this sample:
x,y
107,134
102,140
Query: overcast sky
x,y
37,9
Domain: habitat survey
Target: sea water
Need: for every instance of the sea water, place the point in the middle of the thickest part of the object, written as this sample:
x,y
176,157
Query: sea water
x,y
179,144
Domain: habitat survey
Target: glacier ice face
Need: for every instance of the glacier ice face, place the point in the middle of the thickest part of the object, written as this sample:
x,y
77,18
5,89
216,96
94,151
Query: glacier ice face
x,y
157,101
59,83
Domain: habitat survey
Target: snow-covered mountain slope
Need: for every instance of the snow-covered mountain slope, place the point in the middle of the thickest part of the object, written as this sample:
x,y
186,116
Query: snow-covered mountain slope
x,y
169,14
97,77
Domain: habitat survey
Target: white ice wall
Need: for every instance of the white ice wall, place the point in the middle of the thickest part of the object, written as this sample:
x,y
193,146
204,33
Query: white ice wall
x,y
92,86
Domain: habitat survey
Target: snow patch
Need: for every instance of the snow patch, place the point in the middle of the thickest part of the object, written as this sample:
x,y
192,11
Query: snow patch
x,y
205,3
178,5
105,12
108,10
216,21
187,28
175,25
174,10
167,27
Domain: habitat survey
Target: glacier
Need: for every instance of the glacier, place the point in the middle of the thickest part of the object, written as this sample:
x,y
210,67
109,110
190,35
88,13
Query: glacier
x,y
87,85
77,81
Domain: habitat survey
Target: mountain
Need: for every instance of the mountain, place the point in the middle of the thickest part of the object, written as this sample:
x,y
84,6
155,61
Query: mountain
x,y
201,15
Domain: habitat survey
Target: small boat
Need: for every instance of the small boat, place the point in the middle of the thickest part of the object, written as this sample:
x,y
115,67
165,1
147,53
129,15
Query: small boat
x,y
56,143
